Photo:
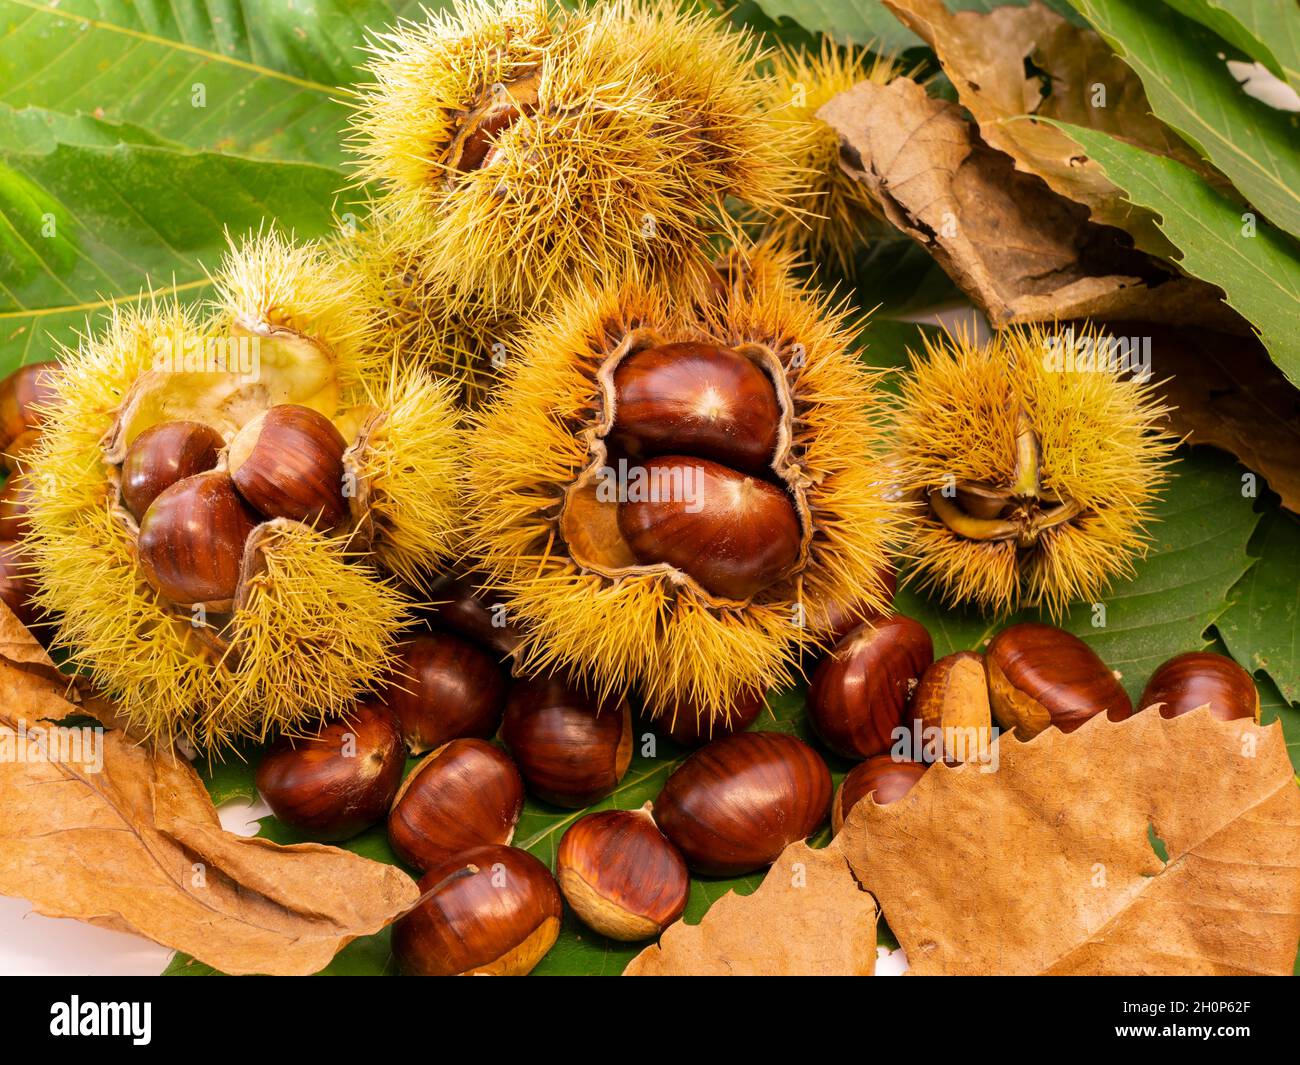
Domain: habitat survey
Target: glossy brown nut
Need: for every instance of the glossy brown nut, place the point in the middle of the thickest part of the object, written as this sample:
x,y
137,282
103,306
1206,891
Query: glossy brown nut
x,y
164,454
17,584
1040,675
465,794
25,395
1200,678
490,911
734,805
951,704
570,750
883,776
192,537
15,507
733,533
842,619
288,463
460,606
340,781
696,399
860,691
686,727
621,876
444,688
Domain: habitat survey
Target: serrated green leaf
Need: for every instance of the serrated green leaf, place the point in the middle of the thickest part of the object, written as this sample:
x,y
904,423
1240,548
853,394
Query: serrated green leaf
x,y
1192,90
1261,29
1259,273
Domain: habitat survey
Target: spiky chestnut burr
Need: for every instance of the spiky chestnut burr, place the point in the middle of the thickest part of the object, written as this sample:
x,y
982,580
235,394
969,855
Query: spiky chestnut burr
x,y
686,726
491,911
24,395
15,503
288,463
17,587
733,806
1199,678
1035,477
620,875
164,454
883,777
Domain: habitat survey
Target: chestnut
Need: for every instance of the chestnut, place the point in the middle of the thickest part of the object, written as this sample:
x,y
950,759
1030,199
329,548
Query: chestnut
x,y
696,399
1200,678
687,727
15,505
1040,675
463,607
860,691
443,688
620,875
884,777
734,805
340,781
191,541
952,702
17,584
164,454
24,396
571,750
840,620
733,533
288,463
491,911
465,794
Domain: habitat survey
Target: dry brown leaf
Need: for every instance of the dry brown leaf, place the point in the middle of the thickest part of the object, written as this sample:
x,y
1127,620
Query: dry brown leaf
x,y
984,55
1046,866
1018,249
137,847
809,917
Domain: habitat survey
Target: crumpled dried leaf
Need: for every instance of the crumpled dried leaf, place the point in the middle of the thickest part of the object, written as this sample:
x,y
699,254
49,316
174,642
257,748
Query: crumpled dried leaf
x,y
984,55
137,846
1018,249
1049,864
809,917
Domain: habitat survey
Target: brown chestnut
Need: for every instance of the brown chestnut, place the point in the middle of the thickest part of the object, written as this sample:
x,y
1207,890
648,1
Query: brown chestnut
x,y
839,620
1040,675
884,777
733,806
733,533
443,688
17,584
164,454
1200,678
192,537
340,781
465,794
491,911
288,463
15,506
860,691
951,705
687,727
620,875
696,399
24,397
460,605
571,750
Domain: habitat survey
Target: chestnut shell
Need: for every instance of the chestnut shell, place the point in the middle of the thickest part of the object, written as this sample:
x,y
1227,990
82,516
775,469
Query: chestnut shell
x,y
288,463
164,454
1198,678
734,805
688,728
884,776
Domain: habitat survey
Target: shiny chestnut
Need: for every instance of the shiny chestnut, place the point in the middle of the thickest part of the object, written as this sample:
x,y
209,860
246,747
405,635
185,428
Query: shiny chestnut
x,y
696,399
25,395
465,794
17,585
164,454
442,688
860,691
620,875
841,619
288,463
732,532
192,537
1040,675
15,507
686,726
571,750
951,707
734,805
1200,678
462,606
489,911
338,782
883,777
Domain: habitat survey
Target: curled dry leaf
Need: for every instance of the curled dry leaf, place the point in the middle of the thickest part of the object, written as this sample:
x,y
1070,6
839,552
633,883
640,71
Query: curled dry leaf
x,y
1050,864
134,844
1018,249
809,917
1014,62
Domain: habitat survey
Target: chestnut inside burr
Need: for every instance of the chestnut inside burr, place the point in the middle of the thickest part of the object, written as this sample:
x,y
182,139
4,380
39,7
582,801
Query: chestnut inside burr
x,y
500,107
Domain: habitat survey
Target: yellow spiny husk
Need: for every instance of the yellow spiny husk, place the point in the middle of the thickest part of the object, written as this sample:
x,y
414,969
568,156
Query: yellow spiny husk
x,y
646,631
1102,448
620,161
841,213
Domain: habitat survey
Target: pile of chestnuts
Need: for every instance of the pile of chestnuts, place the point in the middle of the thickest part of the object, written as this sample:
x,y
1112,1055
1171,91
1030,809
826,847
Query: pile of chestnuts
x,y
23,396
